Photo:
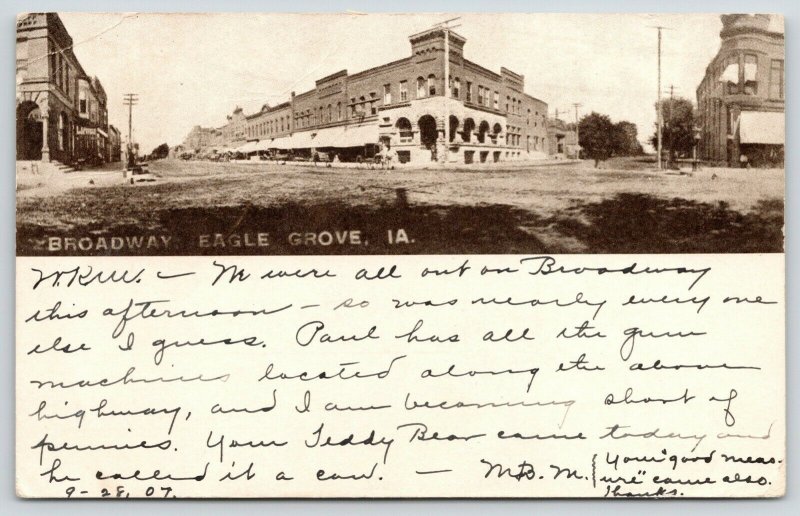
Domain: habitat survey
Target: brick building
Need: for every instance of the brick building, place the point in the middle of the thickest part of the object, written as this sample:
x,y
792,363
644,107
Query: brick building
x,y
487,116
114,144
740,100
62,112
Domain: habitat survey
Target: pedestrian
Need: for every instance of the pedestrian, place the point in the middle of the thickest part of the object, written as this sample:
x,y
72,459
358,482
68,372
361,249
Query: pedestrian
x,y
390,157
743,161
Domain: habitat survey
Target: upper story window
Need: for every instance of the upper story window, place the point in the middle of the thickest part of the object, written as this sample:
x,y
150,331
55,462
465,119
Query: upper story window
x,y
730,75
403,91
496,102
420,87
431,85
776,79
457,88
481,99
82,107
339,111
387,94
373,99
751,74
469,91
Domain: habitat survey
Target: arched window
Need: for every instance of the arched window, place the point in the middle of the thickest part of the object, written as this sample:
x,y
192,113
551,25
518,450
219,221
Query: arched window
x,y
339,111
431,85
404,129
420,87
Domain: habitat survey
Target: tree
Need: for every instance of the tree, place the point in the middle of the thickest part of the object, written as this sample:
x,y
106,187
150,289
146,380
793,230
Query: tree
x,y
160,152
597,138
626,142
677,134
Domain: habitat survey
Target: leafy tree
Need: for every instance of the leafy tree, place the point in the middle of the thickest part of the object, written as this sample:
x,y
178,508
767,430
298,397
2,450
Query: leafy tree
x,y
626,142
597,137
677,135
160,152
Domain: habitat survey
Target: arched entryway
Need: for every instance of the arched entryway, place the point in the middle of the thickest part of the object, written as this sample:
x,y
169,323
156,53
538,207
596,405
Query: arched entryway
x,y
482,130
453,127
496,130
469,128
427,131
29,131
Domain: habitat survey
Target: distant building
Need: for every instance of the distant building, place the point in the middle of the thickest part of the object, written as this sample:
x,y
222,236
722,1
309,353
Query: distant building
x,y
114,144
62,112
562,139
741,98
487,115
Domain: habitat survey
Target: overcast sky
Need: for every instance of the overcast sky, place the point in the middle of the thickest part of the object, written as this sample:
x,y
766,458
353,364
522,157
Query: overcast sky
x,y
193,69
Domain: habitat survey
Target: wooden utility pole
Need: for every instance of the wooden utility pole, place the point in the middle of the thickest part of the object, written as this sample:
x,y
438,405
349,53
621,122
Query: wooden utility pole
x,y
669,123
660,118
659,121
576,105
130,100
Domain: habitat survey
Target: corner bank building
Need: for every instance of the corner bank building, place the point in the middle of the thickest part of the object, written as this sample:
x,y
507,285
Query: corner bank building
x,y
62,112
740,100
475,115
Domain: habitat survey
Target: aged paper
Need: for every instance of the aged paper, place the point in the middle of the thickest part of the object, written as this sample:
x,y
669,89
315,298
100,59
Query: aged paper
x,y
459,265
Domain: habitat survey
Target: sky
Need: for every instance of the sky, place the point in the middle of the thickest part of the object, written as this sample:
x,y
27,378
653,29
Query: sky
x,y
193,69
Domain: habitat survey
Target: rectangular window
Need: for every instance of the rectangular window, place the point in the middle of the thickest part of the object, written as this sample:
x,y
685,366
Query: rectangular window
x,y
403,91
53,66
776,79
496,103
469,91
731,75
387,94
82,103
420,87
480,95
750,74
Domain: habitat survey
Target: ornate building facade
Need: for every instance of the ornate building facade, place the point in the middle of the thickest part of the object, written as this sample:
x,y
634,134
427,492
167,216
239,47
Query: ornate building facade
x,y
474,115
740,100
61,111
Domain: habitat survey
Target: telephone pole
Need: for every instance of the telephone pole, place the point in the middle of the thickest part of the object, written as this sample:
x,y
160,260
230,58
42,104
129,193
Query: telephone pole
x,y
658,103
130,100
576,105
669,121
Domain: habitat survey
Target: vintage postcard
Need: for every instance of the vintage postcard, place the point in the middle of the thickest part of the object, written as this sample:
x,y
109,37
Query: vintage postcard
x,y
400,255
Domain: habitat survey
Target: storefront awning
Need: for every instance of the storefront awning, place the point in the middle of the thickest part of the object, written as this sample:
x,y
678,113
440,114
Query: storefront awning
x,y
281,143
761,127
247,147
348,136
301,140
327,137
263,145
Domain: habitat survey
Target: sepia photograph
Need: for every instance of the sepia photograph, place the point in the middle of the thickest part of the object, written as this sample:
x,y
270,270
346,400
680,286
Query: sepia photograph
x,y
441,255
284,134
